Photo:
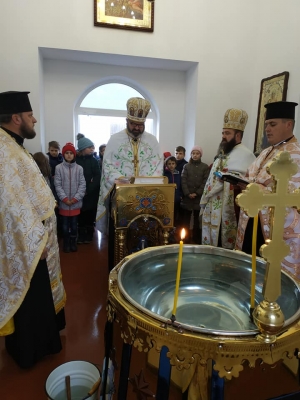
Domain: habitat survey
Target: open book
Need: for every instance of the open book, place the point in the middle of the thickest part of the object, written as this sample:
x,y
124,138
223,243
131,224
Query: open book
x,y
151,180
232,177
143,180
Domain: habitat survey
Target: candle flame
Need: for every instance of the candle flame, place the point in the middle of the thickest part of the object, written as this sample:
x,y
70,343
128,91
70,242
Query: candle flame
x,y
182,235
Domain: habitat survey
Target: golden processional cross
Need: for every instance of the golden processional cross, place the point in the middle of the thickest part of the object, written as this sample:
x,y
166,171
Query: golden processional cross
x,y
252,200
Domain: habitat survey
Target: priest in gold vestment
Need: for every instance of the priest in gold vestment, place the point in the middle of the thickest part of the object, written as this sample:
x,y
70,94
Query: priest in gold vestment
x,y
32,295
279,124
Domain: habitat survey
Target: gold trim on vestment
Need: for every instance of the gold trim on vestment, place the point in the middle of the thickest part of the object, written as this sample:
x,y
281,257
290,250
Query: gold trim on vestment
x,y
27,226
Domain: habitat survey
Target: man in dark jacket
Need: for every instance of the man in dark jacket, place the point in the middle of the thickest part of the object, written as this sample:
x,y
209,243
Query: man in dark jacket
x,y
54,155
173,176
101,154
91,170
193,178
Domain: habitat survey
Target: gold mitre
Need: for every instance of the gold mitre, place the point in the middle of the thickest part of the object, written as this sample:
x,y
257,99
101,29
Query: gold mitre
x,y
138,109
235,118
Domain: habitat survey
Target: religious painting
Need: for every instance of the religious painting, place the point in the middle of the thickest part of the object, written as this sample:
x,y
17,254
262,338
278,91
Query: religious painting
x,y
135,15
272,89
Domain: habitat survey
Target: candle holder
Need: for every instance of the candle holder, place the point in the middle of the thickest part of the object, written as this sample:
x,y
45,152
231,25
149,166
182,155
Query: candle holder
x,y
179,264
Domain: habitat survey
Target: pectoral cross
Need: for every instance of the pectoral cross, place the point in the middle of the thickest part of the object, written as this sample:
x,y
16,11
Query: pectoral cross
x,y
253,199
135,161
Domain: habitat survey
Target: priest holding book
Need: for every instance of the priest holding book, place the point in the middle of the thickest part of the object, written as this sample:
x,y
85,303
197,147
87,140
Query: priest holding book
x,y
219,218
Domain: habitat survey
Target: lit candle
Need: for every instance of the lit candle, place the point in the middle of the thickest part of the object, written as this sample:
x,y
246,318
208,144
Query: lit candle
x,y
253,274
182,235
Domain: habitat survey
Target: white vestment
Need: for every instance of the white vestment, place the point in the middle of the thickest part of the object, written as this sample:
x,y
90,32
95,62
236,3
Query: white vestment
x,y
126,157
218,198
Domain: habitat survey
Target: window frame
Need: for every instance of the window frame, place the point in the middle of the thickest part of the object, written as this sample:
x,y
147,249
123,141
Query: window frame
x,y
78,110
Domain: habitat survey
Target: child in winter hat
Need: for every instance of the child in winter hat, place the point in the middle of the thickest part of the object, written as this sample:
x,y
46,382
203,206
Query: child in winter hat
x,y
83,142
197,148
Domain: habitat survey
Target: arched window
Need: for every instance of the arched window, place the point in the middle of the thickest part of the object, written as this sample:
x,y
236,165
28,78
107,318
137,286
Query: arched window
x,y
102,112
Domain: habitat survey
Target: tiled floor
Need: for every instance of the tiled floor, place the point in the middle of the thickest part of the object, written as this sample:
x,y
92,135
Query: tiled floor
x,y
85,276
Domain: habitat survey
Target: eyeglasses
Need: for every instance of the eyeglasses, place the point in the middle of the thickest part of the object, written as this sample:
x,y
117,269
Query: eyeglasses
x,y
137,125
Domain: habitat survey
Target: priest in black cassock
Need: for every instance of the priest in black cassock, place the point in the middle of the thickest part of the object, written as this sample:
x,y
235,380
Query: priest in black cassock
x,y
32,295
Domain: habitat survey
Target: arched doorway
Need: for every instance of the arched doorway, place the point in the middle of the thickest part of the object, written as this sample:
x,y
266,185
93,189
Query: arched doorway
x,y
102,112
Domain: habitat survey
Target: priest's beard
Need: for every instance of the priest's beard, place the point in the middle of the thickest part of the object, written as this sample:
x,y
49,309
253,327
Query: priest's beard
x,y
135,132
227,146
26,132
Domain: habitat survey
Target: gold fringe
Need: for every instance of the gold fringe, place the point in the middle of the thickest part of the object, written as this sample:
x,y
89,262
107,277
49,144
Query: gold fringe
x,y
8,328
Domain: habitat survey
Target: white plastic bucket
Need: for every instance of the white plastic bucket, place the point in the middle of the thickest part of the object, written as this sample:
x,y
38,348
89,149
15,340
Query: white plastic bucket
x,y
83,375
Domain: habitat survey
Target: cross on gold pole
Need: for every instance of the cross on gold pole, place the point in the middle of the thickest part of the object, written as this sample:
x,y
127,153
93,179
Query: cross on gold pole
x,y
268,316
253,199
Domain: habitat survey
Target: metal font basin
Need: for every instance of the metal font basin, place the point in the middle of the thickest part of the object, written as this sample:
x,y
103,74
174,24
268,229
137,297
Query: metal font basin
x,y
214,293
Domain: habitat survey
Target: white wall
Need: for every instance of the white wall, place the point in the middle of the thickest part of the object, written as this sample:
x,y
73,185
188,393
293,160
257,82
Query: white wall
x,y
278,50
235,44
65,81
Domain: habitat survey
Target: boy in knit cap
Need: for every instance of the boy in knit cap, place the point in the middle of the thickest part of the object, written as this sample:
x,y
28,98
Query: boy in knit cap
x,y
193,179
91,170
70,188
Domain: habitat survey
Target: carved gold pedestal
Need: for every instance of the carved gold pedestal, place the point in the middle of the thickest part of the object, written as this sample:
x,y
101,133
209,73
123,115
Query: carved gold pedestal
x,y
143,216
